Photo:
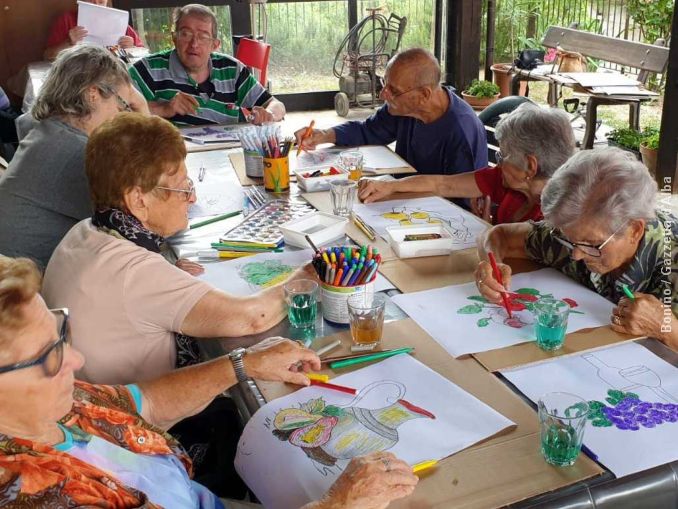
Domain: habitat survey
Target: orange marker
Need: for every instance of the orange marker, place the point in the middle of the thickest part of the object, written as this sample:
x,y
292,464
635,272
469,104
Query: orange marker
x,y
306,134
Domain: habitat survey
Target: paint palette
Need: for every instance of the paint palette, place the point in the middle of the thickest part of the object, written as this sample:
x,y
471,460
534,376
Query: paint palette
x,y
262,227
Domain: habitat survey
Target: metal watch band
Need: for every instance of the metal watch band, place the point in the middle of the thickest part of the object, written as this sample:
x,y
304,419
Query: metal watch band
x,y
238,364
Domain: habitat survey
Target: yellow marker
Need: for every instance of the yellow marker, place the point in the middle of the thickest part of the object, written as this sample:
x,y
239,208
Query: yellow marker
x,y
318,378
424,465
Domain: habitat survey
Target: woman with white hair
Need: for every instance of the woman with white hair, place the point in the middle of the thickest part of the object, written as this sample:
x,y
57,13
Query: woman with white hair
x,y
603,230
533,143
44,191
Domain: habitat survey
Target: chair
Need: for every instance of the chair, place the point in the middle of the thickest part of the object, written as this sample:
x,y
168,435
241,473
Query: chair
x,y
255,54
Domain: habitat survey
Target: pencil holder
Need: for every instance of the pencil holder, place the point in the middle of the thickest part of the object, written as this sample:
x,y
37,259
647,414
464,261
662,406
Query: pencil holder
x,y
254,164
277,174
335,300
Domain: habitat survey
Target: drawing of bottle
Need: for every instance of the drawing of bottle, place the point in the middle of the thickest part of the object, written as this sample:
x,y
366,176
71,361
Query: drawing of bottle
x,y
608,374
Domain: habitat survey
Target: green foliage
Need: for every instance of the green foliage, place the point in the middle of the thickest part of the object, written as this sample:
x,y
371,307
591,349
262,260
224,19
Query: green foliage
x,y
650,138
625,138
653,17
470,309
483,88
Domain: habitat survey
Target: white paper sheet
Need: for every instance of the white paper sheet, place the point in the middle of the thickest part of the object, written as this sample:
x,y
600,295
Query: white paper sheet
x,y
460,320
211,134
248,275
463,225
105,26
284,475
220,191
374,157
601,79
627,368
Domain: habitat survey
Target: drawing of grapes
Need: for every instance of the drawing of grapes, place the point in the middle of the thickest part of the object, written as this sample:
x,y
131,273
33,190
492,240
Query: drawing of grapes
x,y
521,300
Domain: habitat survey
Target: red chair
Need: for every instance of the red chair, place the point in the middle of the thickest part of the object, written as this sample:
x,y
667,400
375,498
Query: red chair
x,y
255,54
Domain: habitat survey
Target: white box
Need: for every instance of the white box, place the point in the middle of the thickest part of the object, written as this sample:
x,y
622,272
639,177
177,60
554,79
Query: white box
x,y
321,227
415,248
321,182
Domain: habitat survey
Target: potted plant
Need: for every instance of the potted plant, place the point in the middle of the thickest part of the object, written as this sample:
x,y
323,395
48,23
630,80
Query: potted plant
x,y
502,74
481,94
648,149
627,139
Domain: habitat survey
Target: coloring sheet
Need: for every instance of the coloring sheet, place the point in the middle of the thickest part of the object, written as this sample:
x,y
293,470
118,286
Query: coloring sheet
x,y
105,26
211,134
248,275
633,396
374,157
463,322
463,225
295,447
219,191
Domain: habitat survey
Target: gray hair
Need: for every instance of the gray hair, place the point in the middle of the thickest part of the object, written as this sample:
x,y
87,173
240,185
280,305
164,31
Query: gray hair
x,y
196,10
608,183
545,133
74,71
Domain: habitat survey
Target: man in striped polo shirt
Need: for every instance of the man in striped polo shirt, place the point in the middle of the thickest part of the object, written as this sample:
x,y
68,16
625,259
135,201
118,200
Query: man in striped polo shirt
x,y
193,85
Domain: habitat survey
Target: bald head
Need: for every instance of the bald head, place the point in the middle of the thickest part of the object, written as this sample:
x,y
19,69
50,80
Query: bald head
x,y
418,63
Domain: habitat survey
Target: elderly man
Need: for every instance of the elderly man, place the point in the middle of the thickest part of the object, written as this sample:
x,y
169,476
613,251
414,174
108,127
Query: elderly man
x,y
191,84
434,129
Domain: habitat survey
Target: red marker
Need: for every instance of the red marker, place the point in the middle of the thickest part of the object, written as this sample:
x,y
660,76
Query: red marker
x,y
340,388
497,276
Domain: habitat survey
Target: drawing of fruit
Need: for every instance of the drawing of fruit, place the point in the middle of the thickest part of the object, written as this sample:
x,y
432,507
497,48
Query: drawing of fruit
x,y
419,215
395,216
314,435
293,418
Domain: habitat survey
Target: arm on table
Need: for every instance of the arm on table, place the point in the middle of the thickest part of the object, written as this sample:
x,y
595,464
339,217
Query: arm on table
x,y
462,185
272,111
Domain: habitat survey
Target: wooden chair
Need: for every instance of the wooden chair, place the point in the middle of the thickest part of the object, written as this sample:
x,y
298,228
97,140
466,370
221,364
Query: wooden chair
x,y
255,55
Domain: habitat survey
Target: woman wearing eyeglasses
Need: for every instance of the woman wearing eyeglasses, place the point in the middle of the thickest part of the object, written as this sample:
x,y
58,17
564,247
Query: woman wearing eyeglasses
x,y
604,228
44,191
533,143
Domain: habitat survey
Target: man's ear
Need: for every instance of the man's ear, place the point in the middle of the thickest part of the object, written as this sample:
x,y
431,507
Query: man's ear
x,y
216,44
136,203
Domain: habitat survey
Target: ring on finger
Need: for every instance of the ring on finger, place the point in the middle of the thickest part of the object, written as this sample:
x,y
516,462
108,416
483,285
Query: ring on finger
x,y
387,463
616,320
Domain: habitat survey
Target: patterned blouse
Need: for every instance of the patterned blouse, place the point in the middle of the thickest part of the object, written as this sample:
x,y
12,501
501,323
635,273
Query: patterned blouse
x,y
40,476
653,270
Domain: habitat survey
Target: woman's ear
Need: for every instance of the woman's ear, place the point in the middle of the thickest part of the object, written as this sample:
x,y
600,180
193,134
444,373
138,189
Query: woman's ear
x,y
136,203
532,166
637,227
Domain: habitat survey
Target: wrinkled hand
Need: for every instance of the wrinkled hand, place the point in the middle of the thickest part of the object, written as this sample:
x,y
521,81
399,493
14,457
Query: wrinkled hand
x,y
261,116
316,137
373,190
280,360
126,42
487,285
76,34
193,268
181,104
482,207
639,317
371,482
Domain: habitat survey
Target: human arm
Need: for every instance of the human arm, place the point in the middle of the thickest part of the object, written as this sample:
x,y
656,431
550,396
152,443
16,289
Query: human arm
x,y
185,392
315,138
180,104
462,185
646,315
369,482
272,111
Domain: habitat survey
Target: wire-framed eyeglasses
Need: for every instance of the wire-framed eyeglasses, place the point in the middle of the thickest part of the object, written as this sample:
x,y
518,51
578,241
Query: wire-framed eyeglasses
x,y
387,88
52,357
186,35
186,193
589,249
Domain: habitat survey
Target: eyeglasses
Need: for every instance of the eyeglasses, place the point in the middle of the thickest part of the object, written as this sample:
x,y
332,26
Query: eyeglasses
x,y
188,193
186,35
387,88
499,157
595,251
122,104
51,357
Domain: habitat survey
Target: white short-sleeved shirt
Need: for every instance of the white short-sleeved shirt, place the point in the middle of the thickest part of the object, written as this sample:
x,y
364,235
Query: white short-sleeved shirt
x,y
125,303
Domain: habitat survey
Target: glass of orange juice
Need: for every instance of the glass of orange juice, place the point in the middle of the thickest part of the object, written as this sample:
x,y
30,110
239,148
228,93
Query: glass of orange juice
x,y
366,316
352,161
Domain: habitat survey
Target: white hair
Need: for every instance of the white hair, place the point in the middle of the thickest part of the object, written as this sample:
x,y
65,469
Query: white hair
x,y
545,133
608,184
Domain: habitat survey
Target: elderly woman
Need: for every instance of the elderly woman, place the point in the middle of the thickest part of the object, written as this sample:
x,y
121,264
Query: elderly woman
x,y
130,304
533,143
44,191
601,229
67,443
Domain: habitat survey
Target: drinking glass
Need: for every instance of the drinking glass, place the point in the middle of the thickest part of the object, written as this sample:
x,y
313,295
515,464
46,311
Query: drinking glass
x,y
562,419
366,317
550,324
301,296
352,161
343,193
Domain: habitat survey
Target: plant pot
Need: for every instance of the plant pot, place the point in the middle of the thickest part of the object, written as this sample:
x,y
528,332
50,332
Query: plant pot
x,y
502,76
649,156
615,144
479,103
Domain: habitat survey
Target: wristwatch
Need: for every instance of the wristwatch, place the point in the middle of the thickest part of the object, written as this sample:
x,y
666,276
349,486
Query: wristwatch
x,y
236,357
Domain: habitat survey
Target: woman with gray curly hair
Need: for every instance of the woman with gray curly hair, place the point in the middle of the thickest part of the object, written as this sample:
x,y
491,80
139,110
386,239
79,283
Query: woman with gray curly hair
x,y
602,229
533,143
44,191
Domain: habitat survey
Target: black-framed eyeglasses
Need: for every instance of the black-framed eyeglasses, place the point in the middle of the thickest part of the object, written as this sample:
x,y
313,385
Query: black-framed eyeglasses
x,y
52,357
187,193
387,88
591,250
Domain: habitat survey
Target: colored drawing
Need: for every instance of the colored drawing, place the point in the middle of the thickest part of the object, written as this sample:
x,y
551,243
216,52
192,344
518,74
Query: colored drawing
x,y
408,216
626,411
265,273
211,133
521,303
327,433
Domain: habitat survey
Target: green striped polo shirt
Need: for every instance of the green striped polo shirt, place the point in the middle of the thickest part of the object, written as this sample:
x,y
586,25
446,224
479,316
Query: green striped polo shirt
x,y
160,76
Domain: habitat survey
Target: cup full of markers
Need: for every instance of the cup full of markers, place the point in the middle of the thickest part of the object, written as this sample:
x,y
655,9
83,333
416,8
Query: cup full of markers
x,y
344,271
262,142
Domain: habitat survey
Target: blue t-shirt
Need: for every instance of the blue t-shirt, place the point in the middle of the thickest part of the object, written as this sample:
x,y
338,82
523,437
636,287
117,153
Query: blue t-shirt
x,y
455,143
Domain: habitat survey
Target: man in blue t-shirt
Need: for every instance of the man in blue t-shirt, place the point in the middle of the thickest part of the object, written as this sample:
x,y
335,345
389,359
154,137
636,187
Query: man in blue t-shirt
x,y
434,129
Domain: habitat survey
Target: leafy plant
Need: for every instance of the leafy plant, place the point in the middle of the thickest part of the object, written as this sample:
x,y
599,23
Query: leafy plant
x,y
650,138
626,138
483,88
653,17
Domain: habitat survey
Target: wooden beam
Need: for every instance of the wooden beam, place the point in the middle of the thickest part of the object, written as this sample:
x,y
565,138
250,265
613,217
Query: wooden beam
x,y
667,165
462,58
489,39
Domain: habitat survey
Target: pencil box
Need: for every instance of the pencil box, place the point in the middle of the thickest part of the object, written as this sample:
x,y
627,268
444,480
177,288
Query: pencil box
x,y
319,182
416,248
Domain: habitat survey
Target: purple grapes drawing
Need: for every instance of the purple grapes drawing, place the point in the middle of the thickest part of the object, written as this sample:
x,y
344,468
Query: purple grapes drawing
x,y
626,411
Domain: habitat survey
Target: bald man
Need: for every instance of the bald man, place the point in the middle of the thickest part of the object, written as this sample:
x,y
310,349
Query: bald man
x,y
434,129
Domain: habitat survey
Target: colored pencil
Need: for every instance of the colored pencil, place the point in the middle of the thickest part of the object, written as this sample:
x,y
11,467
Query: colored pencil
x,y
331,346
628,292
215,219
497,276
306,134
317,377
369,357
335,387
424,465
355,355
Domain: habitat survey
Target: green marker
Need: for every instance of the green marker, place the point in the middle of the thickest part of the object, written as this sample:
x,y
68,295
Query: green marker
x,y
215,219
370,357
628,292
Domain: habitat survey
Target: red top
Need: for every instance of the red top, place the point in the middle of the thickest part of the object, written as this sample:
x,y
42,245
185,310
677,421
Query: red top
x,y
58,34
491,184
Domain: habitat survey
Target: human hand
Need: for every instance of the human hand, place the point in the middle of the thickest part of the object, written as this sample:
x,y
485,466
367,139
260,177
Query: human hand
x,y
370,190
193,268
639,317
316,137
76,34
126,42
487,285
371,482
482,207
181,104
280,360
261,116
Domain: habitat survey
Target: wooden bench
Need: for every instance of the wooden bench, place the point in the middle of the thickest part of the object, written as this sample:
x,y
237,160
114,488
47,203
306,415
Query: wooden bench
x,y
648,58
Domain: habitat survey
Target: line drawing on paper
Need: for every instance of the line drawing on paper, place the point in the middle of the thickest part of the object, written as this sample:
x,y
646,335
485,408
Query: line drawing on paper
x,y
329,433
408,216
265,273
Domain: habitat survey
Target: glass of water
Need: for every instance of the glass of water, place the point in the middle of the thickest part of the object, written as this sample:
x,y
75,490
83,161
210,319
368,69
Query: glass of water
x,y
343,193
301,296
